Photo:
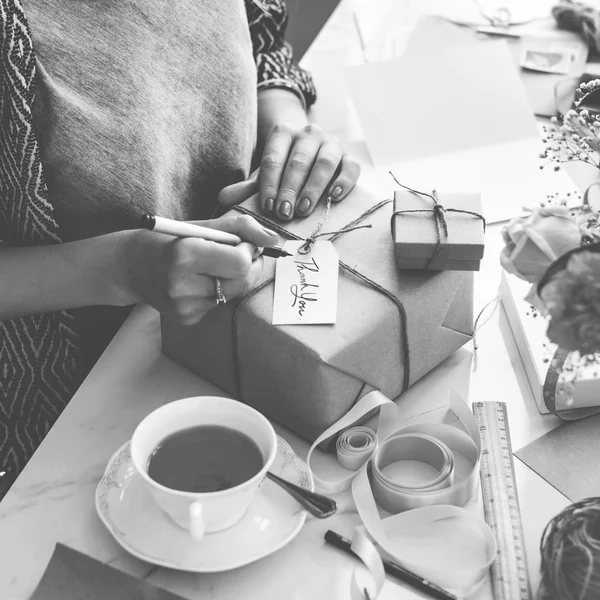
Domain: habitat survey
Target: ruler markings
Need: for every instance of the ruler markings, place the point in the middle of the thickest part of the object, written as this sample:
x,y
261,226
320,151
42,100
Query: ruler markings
x,y
510,579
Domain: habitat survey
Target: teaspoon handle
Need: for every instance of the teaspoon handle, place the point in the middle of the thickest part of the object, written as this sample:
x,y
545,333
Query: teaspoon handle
x,y
316,504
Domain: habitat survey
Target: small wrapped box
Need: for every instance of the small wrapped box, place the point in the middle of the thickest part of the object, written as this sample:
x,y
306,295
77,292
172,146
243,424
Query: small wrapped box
x,y
558,379
445,234
392,327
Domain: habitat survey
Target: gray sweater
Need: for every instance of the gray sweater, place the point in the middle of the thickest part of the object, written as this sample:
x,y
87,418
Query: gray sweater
x,y
142,106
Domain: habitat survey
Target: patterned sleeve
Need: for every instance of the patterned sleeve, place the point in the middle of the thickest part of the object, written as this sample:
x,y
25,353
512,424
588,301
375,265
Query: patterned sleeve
x,y
273,55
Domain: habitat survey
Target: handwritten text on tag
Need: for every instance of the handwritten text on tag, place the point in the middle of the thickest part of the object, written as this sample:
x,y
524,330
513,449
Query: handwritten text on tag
x,y
306,285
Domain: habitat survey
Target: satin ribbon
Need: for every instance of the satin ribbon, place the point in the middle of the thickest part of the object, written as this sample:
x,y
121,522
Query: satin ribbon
x,y
554,388
430,509
355,446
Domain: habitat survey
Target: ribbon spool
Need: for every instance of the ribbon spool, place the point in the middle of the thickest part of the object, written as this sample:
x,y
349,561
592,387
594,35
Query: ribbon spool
x,y
355,446
426,513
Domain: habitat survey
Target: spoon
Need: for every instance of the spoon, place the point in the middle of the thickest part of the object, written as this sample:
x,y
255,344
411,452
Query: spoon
x,y
317,505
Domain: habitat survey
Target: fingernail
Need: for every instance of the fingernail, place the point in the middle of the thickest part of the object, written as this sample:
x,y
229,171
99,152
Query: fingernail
x,y
285,209
304,205
270,232
269,204
336,192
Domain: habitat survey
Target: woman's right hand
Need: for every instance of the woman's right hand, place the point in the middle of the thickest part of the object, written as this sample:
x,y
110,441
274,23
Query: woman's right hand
x,y
177,276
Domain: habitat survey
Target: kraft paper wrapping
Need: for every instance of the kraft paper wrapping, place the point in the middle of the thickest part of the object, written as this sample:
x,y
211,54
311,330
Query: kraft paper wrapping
x,y
307,376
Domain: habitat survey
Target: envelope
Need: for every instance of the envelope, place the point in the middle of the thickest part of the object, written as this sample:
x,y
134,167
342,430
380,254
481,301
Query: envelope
x,y
392,328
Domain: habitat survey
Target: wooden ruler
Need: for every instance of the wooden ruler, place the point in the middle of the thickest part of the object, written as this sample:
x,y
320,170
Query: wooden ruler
x,y
510,580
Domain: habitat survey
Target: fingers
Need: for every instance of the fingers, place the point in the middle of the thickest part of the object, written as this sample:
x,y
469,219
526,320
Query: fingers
x,y
325,167
237,193
299,168
192,296
196,256
272,165
249,229
345,182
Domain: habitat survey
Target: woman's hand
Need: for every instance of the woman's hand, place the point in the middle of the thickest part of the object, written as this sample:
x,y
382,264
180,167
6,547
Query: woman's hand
x,y
177,276
298,168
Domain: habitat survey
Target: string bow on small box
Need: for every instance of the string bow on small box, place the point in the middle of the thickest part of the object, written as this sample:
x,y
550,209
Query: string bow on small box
x,y
439,214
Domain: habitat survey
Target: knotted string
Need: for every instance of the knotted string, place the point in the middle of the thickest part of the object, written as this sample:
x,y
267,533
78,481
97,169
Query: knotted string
x,y
310,240
439,214
352,226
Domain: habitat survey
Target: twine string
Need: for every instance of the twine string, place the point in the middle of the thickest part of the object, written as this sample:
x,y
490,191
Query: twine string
x,y
439,214
352,226
477,326
310,240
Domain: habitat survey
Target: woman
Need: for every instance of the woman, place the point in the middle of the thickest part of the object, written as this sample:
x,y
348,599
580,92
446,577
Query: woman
x,y
137,107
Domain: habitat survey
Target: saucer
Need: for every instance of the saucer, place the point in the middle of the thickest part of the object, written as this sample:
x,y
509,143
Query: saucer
x,y
273,519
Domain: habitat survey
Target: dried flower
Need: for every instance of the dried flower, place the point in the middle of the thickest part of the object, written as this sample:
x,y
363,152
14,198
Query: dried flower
x,y
572,298
576,138
534,242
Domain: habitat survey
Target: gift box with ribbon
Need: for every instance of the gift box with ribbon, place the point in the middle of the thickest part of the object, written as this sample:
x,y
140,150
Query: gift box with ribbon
x,y
391,329
561,382
442,231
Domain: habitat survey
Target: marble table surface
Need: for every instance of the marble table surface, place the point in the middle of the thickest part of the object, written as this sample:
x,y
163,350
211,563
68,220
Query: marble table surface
x,y
53,499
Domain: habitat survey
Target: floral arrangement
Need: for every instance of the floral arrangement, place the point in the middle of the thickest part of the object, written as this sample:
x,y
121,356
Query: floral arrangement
x,y
557,246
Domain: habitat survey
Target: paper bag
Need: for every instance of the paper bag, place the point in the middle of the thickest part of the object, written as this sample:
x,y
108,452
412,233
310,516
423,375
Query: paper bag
x,y
392,327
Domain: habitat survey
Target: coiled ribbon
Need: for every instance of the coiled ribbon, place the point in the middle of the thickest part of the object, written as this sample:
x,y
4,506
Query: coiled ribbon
x,y
426,516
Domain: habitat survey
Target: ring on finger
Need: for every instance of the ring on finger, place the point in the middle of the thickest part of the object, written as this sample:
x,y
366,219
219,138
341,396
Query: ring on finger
x,y
219,290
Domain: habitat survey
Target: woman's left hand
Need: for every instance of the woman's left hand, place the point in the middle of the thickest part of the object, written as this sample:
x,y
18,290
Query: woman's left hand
x,y
297,169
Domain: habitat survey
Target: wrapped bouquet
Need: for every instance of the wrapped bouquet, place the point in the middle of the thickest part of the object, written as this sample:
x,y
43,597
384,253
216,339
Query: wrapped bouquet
x,y
556,247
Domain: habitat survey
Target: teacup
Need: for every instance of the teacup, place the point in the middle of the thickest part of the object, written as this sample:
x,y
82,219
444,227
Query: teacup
x,y
203,512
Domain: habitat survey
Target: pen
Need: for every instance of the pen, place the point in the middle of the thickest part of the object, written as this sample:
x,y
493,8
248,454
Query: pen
x,y
182,229
416,581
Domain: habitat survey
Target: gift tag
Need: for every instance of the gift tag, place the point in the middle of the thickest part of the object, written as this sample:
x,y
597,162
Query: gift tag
x,y
306,285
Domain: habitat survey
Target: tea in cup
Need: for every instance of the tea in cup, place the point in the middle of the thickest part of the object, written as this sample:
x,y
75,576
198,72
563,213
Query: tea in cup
x,y
203,460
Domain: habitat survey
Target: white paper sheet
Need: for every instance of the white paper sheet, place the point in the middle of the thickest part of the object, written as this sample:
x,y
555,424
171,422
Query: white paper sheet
x,y
454,120
447,100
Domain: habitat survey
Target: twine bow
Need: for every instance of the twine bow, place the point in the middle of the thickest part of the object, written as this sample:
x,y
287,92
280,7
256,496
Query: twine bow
x,y
439,214
312,238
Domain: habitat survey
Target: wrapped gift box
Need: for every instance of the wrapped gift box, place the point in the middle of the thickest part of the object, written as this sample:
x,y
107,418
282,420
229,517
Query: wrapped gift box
x,y
537,353
416,233
307,376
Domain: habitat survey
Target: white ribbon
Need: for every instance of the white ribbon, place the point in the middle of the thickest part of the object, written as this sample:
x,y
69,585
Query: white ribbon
x,y
355,446
435,533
